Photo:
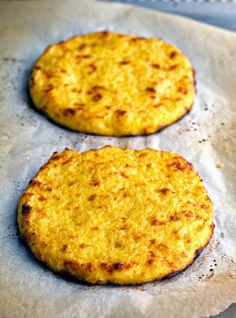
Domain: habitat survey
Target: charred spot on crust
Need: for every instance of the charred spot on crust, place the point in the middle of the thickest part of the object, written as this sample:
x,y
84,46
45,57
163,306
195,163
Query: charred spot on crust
x,y
189,166
92,197
170,263
124,62
92,67
173,54
97,87
188,214
125,194
82,245
150,261
56,157
152,254
86,56
95,183
150,90
104,33
174,217
183,90
82,46
103,265
94,228
49,88
143,154
71,266
68,111
138,38
106,267
146,131
26,209
188,240
173,67
156,65
120,112
176,165
34,182
212,226
162,247
163,191
96,97
32,80
76,90
89,267
124,175
157,222
64,248
42,198
137,237
66,161
118,266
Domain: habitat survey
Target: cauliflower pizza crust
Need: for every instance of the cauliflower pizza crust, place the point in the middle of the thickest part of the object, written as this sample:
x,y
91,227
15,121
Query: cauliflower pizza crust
x,y
113,84
116,215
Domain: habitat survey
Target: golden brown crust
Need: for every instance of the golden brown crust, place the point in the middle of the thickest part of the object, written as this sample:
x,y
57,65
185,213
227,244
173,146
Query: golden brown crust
x,y
119,87
116,215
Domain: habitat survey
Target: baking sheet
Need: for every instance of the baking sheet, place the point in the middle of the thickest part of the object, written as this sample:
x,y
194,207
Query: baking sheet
x,y
206,137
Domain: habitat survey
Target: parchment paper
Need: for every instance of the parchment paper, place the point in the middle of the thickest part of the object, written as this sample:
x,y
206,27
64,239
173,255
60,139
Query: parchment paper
x,y
206,137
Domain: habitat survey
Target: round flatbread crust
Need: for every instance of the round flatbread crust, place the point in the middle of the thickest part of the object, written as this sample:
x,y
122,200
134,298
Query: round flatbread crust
x,y
113,84
116,215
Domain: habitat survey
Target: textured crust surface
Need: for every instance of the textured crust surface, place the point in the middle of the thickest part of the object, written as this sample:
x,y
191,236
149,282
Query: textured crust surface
x,y
113,84
116,215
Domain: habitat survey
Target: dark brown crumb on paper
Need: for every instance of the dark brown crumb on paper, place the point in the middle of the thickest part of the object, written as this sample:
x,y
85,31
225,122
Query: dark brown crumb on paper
x,y
219,165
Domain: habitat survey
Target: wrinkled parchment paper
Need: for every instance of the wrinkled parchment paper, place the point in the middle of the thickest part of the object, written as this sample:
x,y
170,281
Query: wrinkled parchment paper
x,y
206,137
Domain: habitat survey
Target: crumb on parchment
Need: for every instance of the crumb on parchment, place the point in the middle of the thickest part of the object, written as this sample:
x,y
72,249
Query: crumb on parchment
x,y
219,165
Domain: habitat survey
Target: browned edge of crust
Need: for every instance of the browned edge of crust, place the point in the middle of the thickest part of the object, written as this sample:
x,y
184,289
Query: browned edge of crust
x,y
70,277
41,111
197,254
